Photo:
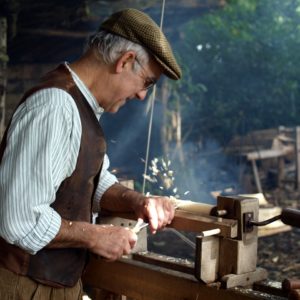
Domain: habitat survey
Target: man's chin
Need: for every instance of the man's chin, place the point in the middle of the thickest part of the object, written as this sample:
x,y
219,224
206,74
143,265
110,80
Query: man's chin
x,y
115,108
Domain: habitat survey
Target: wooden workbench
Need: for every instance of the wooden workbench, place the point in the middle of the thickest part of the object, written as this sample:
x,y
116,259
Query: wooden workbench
x,y
142,281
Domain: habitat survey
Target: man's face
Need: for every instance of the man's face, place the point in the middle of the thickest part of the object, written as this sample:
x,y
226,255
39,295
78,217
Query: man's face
x,y
134,84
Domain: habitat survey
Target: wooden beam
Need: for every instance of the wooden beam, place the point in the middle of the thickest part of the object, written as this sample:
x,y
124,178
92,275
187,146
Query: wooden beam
x,y
188,221
141,281
270,153
256,176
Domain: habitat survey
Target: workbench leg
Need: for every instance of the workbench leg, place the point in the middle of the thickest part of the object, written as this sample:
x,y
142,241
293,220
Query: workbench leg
x,y
281,171
256,176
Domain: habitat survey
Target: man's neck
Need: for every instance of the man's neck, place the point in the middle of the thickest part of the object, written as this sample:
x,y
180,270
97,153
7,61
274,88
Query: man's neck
x,y
94,74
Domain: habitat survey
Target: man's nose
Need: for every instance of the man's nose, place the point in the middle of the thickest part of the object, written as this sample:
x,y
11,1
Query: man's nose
x,y
141,94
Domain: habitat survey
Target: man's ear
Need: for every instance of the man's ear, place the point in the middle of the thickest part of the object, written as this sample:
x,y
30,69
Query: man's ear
x,y
126,60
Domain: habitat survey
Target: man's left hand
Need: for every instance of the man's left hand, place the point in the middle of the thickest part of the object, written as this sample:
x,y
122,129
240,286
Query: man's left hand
x,y
157,210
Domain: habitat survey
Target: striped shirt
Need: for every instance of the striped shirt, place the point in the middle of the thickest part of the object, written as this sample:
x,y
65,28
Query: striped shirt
x,y
42,149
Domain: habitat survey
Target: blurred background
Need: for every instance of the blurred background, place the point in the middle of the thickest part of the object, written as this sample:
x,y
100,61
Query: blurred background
x,y
229,126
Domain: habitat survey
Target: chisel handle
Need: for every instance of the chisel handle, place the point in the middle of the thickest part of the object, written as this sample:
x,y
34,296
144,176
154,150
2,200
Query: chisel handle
x,y
290,284
294,295
291,217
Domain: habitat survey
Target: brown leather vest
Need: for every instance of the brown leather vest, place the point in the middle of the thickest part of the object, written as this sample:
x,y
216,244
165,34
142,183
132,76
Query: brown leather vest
x,y
63,267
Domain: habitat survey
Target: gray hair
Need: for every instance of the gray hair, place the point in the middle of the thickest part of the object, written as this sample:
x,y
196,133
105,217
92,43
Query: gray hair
x,y
111,46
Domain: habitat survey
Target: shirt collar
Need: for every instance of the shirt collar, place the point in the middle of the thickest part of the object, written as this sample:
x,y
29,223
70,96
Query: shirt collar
x,y
98,110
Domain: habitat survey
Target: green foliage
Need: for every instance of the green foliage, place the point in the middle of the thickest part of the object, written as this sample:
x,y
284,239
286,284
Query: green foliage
x,y
241,69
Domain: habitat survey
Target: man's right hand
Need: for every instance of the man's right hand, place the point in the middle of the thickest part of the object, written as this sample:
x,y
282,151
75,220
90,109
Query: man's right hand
x,y
108,241
111,242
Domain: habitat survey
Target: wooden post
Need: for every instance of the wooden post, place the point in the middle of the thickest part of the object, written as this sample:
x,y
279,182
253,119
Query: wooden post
x,y
256,176
297,157
3,80
281,171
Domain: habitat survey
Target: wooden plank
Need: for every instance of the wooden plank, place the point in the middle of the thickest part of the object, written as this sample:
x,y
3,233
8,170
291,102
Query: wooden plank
x,y
187,221
281,172
276,227
142,281
270,153
256,176
267,231
246,279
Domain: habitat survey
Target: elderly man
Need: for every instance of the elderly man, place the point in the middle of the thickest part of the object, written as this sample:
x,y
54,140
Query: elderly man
x,y
54,170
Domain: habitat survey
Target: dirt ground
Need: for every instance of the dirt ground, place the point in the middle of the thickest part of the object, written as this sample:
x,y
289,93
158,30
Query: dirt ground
x,y
279,253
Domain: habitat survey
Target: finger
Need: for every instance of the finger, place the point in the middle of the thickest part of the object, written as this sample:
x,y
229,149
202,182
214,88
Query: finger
x,y
133,240
152,215
127,249
161,217
171,211
114,254
165,211
171,216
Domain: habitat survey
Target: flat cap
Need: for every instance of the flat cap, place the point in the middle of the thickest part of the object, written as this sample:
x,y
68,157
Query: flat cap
x,y
139,28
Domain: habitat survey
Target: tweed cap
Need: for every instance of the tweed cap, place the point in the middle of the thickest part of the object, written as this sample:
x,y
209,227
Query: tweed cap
x,y
139,28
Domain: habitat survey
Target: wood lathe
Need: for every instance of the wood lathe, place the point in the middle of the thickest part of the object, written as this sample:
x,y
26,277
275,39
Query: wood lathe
x,y
225,265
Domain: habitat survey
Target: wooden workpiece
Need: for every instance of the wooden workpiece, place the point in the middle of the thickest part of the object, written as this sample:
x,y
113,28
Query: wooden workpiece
x,y
187,221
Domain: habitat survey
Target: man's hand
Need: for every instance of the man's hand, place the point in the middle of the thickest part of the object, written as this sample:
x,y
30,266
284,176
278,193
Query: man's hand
x,y
111,242
158,210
